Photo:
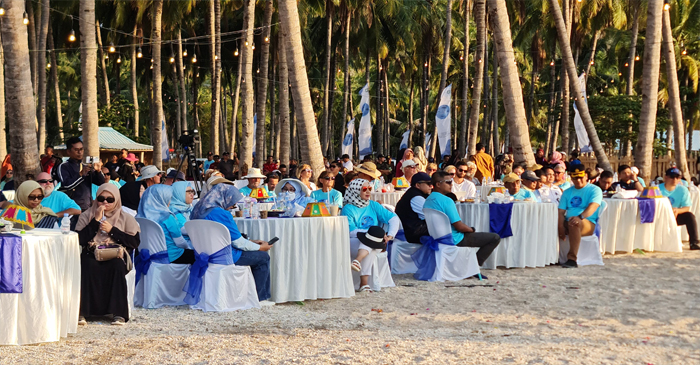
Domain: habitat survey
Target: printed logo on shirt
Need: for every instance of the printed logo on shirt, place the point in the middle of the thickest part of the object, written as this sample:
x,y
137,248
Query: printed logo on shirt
x,y
576,202
367,222
672,200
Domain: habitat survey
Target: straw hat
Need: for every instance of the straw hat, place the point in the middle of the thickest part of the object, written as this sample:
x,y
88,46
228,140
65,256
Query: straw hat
x,y
369,168
254,173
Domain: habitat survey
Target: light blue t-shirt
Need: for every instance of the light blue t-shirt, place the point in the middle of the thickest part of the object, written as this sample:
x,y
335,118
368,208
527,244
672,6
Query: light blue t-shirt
x,y
523,194
335,196
641,181
58,201
444,204
679,197
565,185
363,218
207,163
171,229
575,201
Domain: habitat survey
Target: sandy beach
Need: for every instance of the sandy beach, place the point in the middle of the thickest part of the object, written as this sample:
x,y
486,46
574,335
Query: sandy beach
x,y
637,309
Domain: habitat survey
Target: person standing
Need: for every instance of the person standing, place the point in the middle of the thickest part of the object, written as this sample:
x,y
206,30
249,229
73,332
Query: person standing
x,y
484,163
209,161
49,160
226,166
77,178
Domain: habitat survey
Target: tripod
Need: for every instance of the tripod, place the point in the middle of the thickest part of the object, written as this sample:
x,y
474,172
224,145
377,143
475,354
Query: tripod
x,y
192,168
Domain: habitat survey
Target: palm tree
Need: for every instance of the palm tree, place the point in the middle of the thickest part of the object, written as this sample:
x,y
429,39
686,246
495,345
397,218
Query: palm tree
x,y
3,135
650,86
570,66
158,116
134,89
57,89
88,79
214,31
41,71
636,6
565,81
283,103
245,154
465,78
328,74
480,19
445,66
262,84
674,97
181,81
105,79
303,109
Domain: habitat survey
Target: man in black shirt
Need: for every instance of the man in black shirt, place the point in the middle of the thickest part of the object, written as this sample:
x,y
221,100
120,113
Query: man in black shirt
x,y
226,166
605,183
339,183
628,179
76,178
410,208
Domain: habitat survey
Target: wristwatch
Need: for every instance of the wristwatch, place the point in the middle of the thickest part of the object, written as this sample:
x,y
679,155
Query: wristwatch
x,y
580,216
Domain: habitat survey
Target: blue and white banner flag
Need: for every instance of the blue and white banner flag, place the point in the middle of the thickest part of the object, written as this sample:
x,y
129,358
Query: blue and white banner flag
x,y
364,137
428,141
255,128
349,138
165,150
443,120
404,140
583,141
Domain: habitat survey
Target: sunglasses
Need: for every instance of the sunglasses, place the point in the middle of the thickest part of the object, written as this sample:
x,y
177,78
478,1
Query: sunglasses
x,y
44,181
102,199
447,182
365,188
308,170
464,171
35,197
329,178
451,174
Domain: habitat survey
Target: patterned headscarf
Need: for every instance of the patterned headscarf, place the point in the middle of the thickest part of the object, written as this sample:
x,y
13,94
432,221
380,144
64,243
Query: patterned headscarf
x,y
21,198
220,196
178,203
352,194
154,203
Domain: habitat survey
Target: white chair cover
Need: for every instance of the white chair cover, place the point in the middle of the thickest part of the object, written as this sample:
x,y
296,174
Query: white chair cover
x,y
164,283
452,263
224,287
590,250
401,261
130,289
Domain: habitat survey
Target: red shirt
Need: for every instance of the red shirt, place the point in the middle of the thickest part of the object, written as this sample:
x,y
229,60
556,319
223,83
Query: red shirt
x,y
269,167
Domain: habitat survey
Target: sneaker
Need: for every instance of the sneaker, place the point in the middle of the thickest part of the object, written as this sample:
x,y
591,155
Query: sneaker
x,y
570,264
118,321
82,321
266,303
694,246
483,277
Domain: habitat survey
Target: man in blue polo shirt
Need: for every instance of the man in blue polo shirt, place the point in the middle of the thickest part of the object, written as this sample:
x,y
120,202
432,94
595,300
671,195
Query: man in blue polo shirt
x,y
462,235
578,211
680,201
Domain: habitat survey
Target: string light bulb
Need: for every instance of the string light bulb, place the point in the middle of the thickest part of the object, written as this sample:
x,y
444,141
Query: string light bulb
x,y
667,6
111,48
2,8
151,67
48,65
246,43
194,59
216,57
627,64
267,39
139,54
685,52
184,53
25,18
172,58
235,53
636,58
71,36
253,47
551,63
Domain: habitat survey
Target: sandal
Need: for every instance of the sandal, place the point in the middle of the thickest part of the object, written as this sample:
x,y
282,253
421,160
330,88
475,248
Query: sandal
x,y
356,266
365,288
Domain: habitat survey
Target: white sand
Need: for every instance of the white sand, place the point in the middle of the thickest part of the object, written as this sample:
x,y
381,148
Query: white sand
x,y
638,309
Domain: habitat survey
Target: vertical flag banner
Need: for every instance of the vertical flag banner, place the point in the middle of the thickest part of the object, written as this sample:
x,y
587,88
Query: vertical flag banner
x,y
349,138
255,128
428,141
165,150
581,133
364,137
404,140
442,120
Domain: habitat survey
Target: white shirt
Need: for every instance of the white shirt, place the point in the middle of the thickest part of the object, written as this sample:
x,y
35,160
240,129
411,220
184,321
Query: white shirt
x,y
348,165
466,186
553,194
417,206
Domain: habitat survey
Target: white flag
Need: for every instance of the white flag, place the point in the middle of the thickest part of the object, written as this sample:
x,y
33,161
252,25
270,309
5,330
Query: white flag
x,y
349,138
165,150
442,120
255,128
404,140
364,138
428,141
581,133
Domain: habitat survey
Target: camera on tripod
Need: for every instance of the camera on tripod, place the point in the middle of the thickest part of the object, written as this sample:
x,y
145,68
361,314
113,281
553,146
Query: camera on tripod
x,y
187,140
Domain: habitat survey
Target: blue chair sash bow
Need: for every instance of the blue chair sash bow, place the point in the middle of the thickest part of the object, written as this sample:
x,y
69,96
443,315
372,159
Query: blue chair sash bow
x,y
144,259
424,257
193,287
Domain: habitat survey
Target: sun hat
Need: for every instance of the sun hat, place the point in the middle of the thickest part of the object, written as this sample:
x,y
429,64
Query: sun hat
x,y
295,183
369,168
177,175
254,173
148,172
407,163
131,157
373,238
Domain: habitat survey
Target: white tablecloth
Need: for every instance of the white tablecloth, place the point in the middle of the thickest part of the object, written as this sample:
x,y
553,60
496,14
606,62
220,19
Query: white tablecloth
x,y
621,229
534,242
49,305
388,198
311,260
694,208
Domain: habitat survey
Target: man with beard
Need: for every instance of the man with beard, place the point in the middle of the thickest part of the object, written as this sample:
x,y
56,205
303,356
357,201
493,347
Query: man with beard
x,y
55,200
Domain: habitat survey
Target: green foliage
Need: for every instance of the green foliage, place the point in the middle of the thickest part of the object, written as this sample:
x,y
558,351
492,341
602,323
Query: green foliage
x,y
120,116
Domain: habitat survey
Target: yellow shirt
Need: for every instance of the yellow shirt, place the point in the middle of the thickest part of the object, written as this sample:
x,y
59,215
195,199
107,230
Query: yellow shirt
x,y
484,165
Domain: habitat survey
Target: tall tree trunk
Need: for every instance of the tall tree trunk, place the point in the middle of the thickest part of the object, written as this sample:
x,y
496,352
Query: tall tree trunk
x,y
56,87
674,97
88,83
346,79
303,109
379,112
331,101
3,123
247,131
565,93
512,90
41,72
33,55
486,127
105,79
236,102
260,135
494,107
411,97
19,99
327,78
630,69
465,80
158,117
480,20
214,30
387,124
181,81
274,124
445,66
178,112
596,35
134,89
581,104
650,86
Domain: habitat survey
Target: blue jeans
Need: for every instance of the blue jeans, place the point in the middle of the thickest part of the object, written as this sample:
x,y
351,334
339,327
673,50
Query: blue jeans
x,y
259,262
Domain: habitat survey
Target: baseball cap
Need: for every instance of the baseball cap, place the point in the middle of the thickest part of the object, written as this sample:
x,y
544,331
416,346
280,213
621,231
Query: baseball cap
x,y
512,177
673,172
177,175
529,176
577,170
420,177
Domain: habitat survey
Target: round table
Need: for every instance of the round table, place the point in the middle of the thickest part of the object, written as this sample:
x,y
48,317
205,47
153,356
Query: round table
x,y
622,230
534,242
311,260
388,198
49,303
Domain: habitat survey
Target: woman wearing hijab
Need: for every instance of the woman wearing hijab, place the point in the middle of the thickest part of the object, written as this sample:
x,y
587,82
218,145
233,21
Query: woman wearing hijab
x,y
363,213
155,206
420,160
214,207
181,203
103,284
300,191
407,155
29,195
556,159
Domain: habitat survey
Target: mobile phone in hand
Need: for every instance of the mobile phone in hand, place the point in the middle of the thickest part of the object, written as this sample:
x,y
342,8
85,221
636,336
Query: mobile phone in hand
x,y
272,241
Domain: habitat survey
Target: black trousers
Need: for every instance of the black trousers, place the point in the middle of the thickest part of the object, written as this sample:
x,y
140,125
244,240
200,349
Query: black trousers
x,y
687,219
414,234
187,257
486,242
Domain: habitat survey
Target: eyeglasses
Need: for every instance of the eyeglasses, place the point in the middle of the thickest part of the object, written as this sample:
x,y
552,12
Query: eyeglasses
x,y
189,191
102,199
447,182
365,188
451,173
464,171
308,170
35,197
44,181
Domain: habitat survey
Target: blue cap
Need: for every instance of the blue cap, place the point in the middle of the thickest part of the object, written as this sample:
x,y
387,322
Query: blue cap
x,y
419,178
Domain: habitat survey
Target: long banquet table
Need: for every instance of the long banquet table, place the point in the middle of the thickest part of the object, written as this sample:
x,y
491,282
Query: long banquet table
x,y
388,198
311,260
47,308
534,242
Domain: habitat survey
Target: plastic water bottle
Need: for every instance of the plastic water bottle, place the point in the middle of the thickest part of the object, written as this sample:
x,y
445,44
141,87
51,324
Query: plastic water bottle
x,y
65,224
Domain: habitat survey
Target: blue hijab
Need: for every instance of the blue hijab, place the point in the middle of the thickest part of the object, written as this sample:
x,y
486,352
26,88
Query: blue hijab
x,y
178,204
154,203
299,195
220,196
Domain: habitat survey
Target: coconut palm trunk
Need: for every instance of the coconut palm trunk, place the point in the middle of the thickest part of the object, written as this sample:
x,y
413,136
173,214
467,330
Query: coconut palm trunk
x,y
581,104
674,98
88,79
445,66
480,20
105,79
462,142
158,116
510,81
33,55
214,27
56,86
346,78
41,72
19,98
181,81
3,135
327,78
134,89
631,58
260,134
565,82
235,104
303,109
248,91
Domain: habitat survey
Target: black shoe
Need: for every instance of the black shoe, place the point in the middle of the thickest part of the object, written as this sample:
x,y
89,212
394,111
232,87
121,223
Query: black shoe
x,y
694,246
570,264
